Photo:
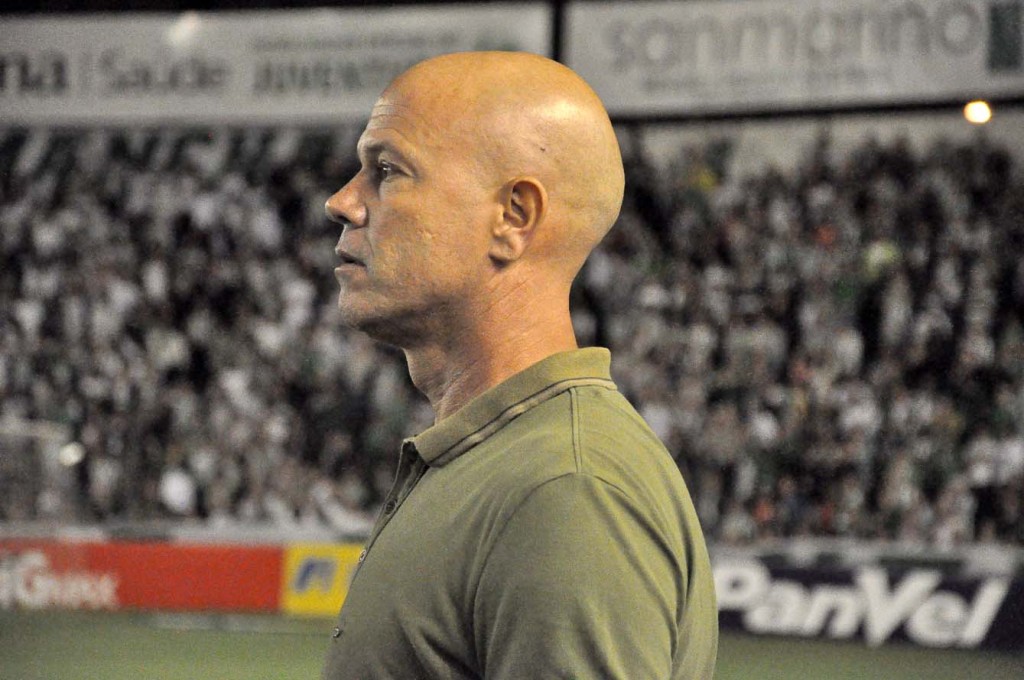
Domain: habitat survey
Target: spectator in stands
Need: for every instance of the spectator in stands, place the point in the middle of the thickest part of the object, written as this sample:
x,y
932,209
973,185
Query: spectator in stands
x,y
852,323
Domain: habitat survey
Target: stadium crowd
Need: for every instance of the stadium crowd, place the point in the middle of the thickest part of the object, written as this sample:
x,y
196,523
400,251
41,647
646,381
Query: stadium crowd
x,y
836,350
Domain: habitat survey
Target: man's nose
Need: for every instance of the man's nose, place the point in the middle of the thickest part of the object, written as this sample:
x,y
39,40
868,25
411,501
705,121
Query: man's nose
x,y
345,207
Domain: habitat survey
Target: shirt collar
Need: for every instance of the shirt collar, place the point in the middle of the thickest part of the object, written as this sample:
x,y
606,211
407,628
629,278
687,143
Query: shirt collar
x,y
492,410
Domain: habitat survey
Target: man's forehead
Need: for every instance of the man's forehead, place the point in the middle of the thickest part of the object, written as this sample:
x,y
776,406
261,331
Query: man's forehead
x,y
412,123
383,113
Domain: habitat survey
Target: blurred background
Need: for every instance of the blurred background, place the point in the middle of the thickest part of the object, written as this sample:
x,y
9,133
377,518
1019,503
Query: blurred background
x,y
814,295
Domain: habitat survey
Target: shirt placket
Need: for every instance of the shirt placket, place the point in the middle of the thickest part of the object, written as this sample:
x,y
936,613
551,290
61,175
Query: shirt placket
x,y
410,468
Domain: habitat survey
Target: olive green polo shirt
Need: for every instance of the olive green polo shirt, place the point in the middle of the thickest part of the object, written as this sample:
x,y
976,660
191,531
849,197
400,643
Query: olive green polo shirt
x,y
542,531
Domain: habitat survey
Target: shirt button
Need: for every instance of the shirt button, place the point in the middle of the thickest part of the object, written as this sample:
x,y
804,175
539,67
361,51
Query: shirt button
x,y
362,556
336,633
389,507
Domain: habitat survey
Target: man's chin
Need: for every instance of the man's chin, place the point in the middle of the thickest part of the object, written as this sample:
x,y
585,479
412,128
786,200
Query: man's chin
x,y
351,314
380,327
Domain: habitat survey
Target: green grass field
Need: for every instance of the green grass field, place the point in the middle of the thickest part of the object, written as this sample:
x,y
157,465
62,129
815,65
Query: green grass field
x,y
82,646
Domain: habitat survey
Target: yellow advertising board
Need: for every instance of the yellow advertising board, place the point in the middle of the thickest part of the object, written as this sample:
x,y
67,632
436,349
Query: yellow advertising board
x,y
316,576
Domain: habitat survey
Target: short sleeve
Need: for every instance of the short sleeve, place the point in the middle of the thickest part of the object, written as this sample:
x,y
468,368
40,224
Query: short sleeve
x,y
579,584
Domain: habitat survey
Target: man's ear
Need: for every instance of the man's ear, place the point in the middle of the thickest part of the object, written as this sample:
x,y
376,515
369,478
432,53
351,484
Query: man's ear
x,y
524,202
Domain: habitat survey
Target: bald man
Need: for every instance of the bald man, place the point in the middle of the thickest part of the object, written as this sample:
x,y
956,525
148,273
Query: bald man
x,y
538,529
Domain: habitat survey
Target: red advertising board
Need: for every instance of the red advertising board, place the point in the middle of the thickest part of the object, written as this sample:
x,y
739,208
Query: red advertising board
x,y
38,574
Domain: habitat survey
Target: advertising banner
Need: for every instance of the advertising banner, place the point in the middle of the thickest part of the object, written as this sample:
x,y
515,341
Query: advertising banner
x,y
709,56
316,578
239,67
871,604
45,574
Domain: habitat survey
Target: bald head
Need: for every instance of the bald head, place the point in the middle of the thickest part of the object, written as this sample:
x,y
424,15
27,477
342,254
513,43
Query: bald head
x,y
519,115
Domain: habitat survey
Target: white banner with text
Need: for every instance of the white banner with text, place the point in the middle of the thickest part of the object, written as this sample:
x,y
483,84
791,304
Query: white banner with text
x,y
709,56
239,67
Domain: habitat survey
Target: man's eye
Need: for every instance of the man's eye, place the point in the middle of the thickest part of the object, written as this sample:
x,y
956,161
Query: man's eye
x,y
385,170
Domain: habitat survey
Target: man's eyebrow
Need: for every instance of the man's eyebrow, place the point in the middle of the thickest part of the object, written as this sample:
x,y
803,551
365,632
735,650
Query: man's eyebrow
x,y
374,147
371,149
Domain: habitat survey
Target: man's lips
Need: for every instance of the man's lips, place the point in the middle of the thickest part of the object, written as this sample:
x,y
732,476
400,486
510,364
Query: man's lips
x,y
349,262
348,258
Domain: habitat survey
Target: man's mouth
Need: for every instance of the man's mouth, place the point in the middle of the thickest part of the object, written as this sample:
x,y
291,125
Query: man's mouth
x,y
348,258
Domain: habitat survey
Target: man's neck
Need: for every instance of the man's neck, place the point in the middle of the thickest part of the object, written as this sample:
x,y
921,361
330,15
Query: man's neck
x,y
467,364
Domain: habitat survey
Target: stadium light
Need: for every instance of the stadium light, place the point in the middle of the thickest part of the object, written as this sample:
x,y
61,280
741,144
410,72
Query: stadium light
x,y
978,112
182,31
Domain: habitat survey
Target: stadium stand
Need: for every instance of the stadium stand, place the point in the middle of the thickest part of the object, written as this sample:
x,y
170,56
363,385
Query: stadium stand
x,y
833,350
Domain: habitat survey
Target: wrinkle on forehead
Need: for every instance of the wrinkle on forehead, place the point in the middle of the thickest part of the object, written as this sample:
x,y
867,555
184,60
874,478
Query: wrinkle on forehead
x,y
407,121
384,107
